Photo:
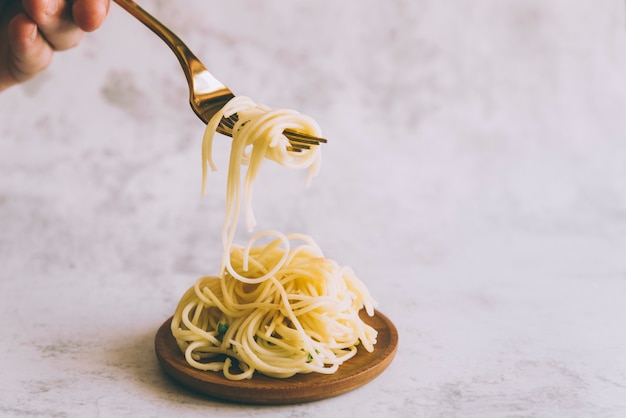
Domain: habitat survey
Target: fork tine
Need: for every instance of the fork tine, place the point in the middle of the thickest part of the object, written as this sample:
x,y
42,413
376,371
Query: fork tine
x,y
298,140
229,122
296,136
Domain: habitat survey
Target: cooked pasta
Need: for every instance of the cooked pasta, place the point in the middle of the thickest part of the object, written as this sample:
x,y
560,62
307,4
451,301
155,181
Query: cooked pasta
x,y
279,307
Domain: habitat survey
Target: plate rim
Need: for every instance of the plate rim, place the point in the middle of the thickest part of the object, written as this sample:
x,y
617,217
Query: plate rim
x,y
262,389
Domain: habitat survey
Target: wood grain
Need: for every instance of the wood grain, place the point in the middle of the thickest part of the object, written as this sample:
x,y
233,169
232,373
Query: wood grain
x,y
356,372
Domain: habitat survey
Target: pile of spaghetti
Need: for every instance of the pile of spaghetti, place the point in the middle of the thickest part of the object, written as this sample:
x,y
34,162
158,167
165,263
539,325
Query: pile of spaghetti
x,y
280,307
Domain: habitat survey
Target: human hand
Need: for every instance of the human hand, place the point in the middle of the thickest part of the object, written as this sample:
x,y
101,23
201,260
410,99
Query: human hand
x,y
31,30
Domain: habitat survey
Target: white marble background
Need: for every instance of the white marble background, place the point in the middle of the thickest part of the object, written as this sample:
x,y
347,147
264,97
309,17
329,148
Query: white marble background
x,y
475,179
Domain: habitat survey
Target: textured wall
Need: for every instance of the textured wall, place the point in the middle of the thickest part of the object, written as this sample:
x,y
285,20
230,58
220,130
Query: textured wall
x,y
475,179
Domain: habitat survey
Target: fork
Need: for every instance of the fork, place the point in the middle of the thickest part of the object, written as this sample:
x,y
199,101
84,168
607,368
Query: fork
x,y
207,95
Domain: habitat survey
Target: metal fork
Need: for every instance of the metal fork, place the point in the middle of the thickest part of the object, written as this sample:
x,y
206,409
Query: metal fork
x,y
207,95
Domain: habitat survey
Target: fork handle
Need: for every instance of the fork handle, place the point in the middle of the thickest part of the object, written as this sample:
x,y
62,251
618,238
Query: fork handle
x,y
187,59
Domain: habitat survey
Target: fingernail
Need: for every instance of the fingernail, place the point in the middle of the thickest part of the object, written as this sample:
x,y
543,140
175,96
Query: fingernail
x,y
53,6
33,33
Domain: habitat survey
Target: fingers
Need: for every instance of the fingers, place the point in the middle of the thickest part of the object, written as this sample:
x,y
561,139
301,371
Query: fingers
x,y
55,23
38,28
29,52
89,14
63,23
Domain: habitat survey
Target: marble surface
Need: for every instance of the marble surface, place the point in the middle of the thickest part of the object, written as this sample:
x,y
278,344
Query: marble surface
x,y
475,180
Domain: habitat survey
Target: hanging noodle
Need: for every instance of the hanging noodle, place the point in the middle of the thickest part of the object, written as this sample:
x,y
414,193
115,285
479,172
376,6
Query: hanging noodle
x,y
280,308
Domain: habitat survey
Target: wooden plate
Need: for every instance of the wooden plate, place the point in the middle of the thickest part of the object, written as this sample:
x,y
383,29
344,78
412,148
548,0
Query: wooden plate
x,y
359,370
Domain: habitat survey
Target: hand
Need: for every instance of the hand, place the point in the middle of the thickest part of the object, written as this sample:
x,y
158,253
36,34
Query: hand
x,y
31,30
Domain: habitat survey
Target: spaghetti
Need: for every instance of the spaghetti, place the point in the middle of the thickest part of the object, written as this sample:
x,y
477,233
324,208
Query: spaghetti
x,y
282,307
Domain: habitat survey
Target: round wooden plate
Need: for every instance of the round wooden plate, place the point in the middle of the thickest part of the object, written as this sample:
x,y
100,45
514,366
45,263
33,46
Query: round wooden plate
x,y
260,389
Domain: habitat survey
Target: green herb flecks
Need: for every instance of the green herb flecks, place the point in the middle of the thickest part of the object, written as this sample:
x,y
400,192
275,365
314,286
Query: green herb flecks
x,y
222,328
